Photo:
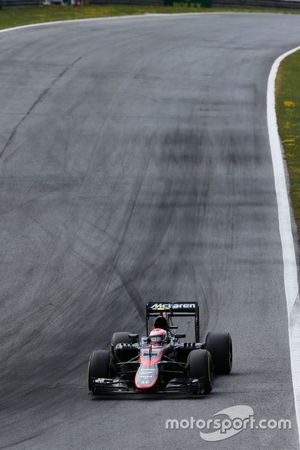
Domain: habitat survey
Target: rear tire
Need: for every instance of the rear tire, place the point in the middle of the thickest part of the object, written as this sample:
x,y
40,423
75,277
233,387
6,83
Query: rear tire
x,y
121,337
200,366
220,347
121,355
99,366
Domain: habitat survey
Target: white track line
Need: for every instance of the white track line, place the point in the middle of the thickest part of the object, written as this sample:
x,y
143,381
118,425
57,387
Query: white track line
x,y
286,235
135,16
116,18
284,214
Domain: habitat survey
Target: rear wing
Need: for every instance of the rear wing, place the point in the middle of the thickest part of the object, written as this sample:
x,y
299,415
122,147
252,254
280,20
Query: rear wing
x,y
175,309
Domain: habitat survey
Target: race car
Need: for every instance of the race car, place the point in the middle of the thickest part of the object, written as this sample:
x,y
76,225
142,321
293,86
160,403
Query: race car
x,y
160,362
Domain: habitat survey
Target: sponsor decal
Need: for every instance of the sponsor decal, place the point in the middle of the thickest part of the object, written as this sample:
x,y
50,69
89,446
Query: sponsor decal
x,y
168,306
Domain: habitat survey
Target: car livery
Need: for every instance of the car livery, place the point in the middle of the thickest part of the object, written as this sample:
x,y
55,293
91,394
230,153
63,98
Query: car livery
x,y
159,361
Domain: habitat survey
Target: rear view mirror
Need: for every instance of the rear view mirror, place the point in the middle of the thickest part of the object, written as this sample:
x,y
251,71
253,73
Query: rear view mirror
x,y
180,336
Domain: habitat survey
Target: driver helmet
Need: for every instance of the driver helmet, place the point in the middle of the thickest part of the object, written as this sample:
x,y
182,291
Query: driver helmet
x,y
158,336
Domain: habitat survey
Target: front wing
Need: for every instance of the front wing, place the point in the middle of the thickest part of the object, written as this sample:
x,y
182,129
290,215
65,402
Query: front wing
x,y
102,386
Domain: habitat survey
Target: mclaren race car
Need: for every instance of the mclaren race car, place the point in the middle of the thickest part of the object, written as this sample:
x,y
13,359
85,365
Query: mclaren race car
x,y
160,362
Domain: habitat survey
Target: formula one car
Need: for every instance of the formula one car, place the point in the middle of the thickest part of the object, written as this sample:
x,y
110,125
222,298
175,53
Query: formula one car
x,y
159,362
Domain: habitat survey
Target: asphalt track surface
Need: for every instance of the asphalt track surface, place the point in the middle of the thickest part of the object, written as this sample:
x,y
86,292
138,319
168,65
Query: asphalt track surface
x,y
135,165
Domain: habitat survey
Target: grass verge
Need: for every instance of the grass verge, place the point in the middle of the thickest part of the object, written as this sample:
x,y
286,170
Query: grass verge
x,y
288,116
13,17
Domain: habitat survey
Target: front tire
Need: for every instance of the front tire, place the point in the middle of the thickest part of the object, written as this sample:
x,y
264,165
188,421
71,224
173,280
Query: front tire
x,y
200,366
99,366
220,347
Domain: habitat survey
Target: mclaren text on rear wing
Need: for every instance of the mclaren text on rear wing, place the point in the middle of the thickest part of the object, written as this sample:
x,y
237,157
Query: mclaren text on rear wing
x,y
175,308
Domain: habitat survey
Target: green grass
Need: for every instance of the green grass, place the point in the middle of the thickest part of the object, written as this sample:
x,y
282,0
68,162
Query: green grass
x,y
288,116
12,17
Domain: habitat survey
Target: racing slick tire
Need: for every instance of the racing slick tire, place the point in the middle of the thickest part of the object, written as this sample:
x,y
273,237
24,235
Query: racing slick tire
x,y
220,347
120,337
126,352
200,366
99,366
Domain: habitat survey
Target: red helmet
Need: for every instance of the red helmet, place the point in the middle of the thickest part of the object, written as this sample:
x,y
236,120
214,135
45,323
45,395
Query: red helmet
x,y
158,336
